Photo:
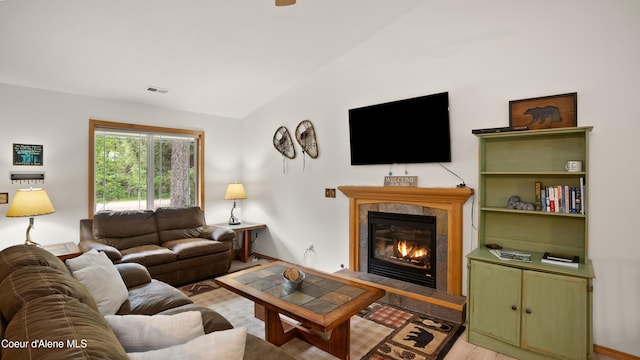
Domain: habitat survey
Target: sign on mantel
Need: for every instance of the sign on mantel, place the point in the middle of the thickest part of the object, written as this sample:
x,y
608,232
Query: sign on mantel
x,y
406,181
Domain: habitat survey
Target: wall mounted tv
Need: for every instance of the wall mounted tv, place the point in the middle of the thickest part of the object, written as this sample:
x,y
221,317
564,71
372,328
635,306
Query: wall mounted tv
x,y
406,131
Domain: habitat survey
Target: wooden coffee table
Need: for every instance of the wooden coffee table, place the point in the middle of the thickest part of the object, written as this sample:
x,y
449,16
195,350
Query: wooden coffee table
x,y
323,306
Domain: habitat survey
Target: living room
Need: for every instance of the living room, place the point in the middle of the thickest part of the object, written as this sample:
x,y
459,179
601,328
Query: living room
x,y
484,55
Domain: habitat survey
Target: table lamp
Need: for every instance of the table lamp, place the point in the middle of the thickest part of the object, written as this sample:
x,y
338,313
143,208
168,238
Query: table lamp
x,y
30,202
235,191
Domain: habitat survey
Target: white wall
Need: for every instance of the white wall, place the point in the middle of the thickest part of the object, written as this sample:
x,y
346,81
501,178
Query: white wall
x,y
485,54
60,123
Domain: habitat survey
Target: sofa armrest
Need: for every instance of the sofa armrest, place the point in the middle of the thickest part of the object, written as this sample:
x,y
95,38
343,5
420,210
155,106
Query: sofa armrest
x,y
217,233
133,274
112,253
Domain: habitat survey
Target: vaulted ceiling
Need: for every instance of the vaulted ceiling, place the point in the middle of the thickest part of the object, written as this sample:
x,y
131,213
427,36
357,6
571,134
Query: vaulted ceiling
x,y
220,57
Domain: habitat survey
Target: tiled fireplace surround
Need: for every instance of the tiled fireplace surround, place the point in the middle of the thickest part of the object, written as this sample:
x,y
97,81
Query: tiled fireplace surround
x,y
446,301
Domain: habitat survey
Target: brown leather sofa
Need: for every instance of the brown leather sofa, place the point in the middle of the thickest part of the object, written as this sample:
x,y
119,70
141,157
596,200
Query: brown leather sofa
x,y
174,244
45,313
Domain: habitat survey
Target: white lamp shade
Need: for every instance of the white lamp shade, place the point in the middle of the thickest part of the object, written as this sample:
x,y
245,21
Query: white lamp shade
x,y
235,191
30,202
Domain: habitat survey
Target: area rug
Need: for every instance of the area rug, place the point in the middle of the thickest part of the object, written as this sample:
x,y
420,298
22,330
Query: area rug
x,y
415,336
380,332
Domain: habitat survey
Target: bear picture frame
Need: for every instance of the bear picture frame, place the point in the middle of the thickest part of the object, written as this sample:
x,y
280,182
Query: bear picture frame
x,y
554,111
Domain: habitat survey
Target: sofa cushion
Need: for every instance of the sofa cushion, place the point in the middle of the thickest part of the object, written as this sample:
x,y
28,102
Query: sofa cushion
x,y
227,344
97,273
188,248
3,325
152,298
148,255
125,229
151,332
19,256
74,330
26,284
179,223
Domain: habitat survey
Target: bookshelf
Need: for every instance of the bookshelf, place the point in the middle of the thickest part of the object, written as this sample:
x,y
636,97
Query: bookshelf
x,y
514,305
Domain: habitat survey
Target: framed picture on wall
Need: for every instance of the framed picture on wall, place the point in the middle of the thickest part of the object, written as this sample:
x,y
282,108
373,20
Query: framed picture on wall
x,y
546,112
24,154
4,198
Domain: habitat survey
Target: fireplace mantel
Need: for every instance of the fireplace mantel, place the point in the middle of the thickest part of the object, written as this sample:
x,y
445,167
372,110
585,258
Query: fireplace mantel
x,y
449,199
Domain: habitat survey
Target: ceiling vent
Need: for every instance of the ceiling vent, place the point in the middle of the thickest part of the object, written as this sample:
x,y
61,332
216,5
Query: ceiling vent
x,y
156,89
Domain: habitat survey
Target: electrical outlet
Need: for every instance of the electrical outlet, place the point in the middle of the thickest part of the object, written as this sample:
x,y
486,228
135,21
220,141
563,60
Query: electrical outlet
x,y
330,192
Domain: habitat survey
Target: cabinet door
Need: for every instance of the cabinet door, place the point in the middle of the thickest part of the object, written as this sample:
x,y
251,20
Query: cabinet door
x,y
554,316
494,307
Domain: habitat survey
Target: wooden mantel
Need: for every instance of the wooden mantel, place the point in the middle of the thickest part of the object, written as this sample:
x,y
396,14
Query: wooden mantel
x,y
449,199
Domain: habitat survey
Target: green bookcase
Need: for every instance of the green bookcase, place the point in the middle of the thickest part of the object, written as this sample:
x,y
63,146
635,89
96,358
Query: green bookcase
x,y
531,309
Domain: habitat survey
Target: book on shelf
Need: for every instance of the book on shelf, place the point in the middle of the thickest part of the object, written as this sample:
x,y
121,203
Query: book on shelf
x,y
538,195
560,198
560,259
509,254
583,203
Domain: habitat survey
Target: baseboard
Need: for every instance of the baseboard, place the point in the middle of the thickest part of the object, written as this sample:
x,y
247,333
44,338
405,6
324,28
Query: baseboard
x,y
262,256
614,354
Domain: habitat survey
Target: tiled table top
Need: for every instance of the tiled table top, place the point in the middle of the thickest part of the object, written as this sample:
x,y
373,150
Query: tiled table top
x,y
323,301
318,294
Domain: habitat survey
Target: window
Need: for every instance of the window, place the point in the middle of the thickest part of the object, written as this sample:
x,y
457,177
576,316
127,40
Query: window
x,y
135,167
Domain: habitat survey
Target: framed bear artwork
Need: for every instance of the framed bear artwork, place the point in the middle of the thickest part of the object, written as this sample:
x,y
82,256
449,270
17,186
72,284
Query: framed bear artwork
x,y
546,112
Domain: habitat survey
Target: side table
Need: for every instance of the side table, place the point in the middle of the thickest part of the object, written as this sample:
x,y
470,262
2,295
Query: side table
x,y
64,251
245,228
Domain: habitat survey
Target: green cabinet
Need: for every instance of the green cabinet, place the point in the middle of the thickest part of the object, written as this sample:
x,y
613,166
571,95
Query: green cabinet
x,y
531,310
526,310
494,301
549,300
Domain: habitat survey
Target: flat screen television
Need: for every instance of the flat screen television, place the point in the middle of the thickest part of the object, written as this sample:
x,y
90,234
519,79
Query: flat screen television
x,y
408,131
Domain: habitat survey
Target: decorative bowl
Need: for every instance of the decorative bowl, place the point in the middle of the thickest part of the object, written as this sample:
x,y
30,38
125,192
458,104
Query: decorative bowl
x,y
293,284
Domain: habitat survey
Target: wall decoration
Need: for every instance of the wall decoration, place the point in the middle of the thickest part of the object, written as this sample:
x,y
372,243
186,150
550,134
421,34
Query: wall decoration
x,y
27,176
24,154
4,198
546,112
306,136
283,143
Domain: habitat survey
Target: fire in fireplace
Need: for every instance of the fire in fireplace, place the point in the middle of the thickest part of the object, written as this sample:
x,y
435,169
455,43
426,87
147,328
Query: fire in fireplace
x,y
403,247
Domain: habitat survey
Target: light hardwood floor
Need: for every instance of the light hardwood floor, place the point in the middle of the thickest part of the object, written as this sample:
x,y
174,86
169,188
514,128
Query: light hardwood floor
x,y
462,350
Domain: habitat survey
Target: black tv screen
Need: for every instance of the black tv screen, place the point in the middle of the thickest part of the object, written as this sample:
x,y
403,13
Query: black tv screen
x,y
406,131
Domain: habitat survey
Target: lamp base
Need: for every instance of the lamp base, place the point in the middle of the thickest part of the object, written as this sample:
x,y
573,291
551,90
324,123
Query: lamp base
x,y
28,241
233,220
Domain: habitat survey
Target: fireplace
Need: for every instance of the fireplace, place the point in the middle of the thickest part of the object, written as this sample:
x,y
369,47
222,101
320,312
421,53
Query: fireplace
x,y
403,247
444,203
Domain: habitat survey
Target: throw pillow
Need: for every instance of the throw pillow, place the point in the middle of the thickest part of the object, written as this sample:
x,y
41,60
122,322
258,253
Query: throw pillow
x,y
227,345
151,332
97,273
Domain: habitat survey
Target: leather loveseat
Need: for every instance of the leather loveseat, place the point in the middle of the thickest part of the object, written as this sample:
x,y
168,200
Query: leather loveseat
x,y
45,313
174,244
